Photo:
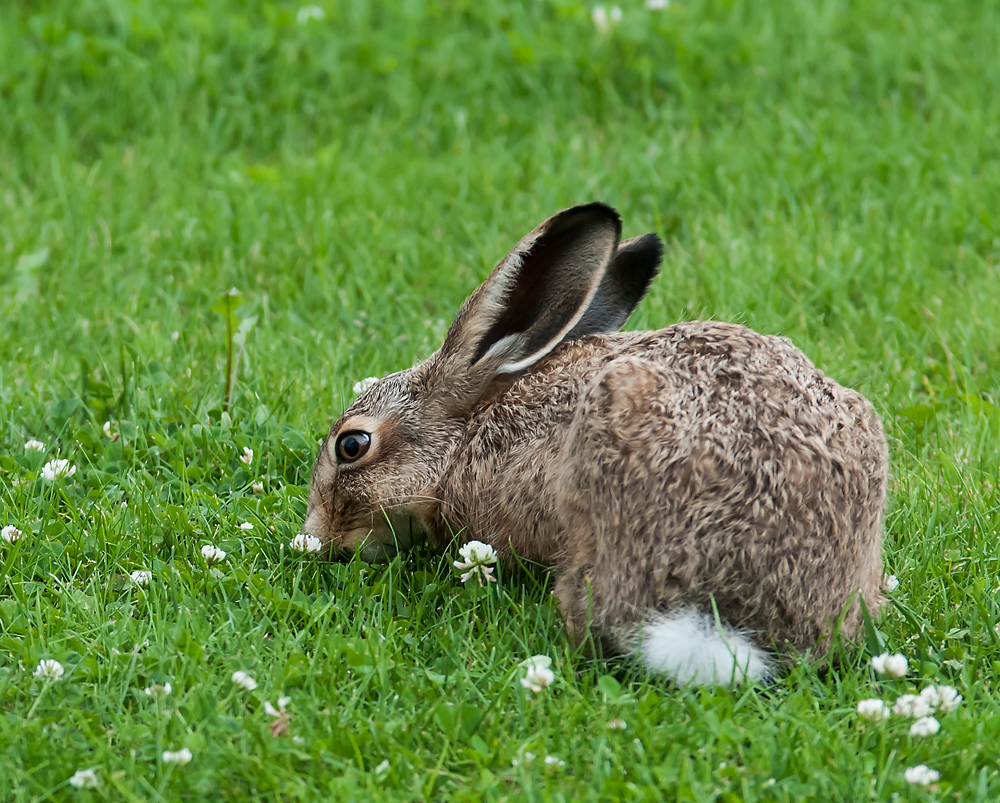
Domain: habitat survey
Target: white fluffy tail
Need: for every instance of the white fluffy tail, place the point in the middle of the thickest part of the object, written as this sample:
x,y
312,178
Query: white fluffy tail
x,y
692,647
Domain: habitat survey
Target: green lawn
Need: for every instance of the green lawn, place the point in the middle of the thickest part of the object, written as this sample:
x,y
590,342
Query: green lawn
x,y
827,170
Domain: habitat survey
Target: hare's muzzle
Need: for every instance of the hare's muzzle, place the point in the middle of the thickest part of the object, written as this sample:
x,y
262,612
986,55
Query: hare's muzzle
x,y
338,554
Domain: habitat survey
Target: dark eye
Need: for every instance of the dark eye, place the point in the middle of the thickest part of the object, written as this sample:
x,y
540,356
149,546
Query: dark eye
x,y
352,445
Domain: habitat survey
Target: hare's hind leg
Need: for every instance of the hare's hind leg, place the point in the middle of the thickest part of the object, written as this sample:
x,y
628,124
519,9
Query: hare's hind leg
x,y
688,646
626,576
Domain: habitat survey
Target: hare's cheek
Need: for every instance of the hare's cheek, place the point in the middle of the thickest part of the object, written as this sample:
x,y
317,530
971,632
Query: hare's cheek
x,y
367,543
373,552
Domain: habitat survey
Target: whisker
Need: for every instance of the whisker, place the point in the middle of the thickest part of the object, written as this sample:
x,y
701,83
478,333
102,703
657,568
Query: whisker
x,y
418,496
387,503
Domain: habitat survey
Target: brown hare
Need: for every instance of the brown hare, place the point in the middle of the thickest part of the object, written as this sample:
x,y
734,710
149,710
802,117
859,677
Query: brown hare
x,y
707,498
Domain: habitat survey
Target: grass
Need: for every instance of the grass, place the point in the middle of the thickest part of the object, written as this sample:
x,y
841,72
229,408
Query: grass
x,y
825,170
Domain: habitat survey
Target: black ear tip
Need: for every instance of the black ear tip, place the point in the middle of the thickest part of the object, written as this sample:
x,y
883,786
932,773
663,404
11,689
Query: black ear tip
x,y
648,248
594,211
655,244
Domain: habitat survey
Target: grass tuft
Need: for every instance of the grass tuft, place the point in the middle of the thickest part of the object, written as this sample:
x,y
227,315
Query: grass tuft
x,y
826,171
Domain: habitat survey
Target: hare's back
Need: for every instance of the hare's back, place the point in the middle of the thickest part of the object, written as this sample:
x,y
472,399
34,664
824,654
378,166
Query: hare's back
x,y
733,382
753,404
752,397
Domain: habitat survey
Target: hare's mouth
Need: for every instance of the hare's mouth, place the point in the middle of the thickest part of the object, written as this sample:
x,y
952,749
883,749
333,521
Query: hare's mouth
x,y
381,543
378,553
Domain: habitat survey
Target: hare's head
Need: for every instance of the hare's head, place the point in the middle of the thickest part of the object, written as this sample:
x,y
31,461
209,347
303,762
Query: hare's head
x,y
374,482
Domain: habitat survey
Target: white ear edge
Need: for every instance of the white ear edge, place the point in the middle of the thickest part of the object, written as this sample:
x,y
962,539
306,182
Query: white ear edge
x,y
508,269
505,345
531,359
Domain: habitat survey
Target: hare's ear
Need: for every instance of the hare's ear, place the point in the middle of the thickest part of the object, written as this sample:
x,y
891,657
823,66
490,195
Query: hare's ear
x,y
532,300
625,282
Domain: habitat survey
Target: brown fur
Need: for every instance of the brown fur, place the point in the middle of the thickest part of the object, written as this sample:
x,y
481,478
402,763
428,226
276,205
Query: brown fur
x,y
703,464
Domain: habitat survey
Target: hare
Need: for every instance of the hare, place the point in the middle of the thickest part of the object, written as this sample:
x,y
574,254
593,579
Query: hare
x,y
708,499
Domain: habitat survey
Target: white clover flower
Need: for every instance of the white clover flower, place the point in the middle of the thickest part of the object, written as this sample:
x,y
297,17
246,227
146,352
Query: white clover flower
x,y
478,560
85,779
257,488
538,676
950,698
604,19
941,698
247,456
363,385
925,726
910,705
158,691
306,543
931,696
383,768
246,526
536,661
478,552
657,5
182,756
890,583
244,681
107,429
175,335
600,17
897,666
617,724
921,775
307,13
554,761
57,469
48,669
141,577
893,665
481,573
212,554
873,710
34,446
526,760
10,534
270,710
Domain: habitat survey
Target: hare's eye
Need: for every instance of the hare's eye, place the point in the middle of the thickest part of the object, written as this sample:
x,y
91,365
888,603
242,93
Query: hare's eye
x,y
352,445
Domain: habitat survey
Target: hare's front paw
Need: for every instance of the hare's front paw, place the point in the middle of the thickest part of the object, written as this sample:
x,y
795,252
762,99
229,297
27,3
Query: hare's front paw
x,y
576,594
